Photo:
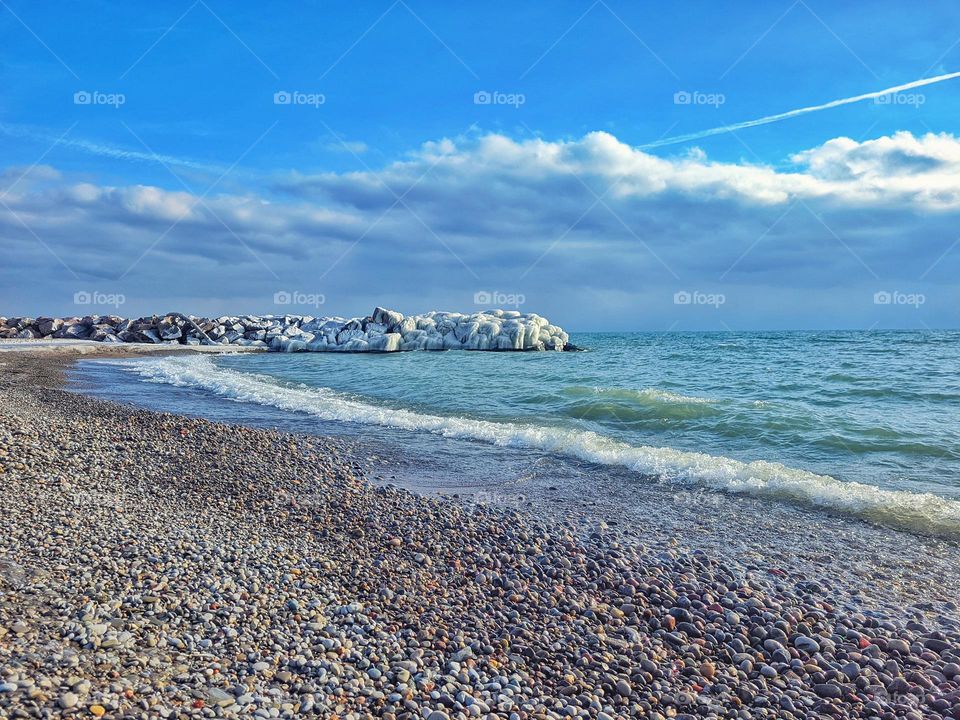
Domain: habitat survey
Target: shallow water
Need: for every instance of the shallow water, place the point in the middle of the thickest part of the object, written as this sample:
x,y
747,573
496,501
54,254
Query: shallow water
x,y
496,429
861,423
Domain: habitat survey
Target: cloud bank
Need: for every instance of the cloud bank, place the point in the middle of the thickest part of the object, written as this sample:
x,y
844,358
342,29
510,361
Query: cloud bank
x,y
573,226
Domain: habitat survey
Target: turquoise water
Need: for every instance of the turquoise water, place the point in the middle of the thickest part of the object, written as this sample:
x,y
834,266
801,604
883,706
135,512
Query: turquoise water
x,y
866,423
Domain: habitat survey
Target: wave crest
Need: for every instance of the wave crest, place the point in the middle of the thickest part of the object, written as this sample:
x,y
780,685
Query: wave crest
x,y
646,396
918,512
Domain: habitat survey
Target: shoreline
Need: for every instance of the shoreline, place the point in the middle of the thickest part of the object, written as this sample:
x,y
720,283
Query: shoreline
x,y
98,349
158,565
861,564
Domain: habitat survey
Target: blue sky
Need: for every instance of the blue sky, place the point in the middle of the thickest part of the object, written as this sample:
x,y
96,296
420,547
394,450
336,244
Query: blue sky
x,y
183,185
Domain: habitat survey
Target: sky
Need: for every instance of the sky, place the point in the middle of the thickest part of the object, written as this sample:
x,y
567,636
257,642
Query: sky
x,y
593,162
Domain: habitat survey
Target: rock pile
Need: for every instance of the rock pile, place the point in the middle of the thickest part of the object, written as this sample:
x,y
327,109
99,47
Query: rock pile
x,y
382,331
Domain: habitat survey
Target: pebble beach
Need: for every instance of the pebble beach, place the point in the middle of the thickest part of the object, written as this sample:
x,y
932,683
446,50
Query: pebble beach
x,y
159,566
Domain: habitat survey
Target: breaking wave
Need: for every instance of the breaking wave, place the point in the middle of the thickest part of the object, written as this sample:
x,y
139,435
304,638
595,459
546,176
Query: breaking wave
x,y
919,512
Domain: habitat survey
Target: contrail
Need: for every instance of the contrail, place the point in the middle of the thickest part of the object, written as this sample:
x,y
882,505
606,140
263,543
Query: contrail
x,y
104,150
801,111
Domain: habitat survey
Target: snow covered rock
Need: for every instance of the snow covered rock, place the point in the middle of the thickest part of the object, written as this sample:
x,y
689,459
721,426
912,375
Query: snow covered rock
x,y
382,331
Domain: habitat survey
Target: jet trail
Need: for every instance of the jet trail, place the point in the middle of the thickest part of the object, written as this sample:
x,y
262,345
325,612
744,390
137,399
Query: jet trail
x,y
800,111
103,150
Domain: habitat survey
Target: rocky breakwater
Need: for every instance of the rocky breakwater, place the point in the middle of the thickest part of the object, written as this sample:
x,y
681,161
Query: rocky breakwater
x,y
382,331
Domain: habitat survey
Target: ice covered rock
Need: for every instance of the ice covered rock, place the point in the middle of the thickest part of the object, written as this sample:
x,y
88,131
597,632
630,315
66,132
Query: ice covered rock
x,y
73,331
388,331
386,317
168,329
387,342
382,331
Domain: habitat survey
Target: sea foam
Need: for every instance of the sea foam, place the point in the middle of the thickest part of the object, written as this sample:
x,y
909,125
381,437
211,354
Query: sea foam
x,y
919,512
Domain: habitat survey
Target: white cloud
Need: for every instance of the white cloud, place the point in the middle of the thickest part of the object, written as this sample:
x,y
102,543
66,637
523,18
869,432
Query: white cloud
x,y
899,168
923,171
520,216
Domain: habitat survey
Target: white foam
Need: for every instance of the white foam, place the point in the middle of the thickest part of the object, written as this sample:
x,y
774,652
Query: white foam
x,y
646,395
922,512
671,397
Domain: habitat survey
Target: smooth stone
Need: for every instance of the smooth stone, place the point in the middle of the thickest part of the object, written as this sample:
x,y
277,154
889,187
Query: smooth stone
x,y
851,670
826,690
220,697
936,645
899,646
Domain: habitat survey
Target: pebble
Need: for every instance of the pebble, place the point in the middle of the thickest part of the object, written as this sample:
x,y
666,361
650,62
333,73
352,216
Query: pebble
x,y
807,644
181,568
216,696
899,646
828,691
